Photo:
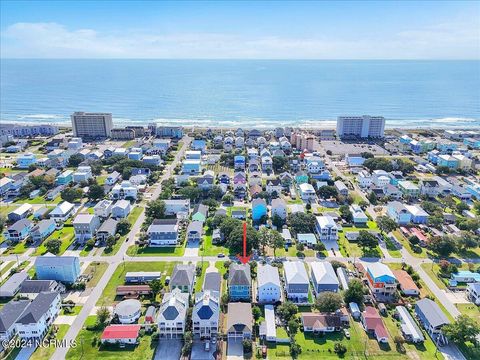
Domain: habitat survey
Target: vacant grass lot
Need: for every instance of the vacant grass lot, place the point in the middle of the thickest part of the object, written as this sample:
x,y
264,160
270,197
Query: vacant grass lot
x,y
209,249
96,269
136,250
66,235
47,352
118,277
89,350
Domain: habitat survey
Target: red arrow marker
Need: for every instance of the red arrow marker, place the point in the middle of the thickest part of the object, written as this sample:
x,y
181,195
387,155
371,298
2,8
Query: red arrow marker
x,y
244,259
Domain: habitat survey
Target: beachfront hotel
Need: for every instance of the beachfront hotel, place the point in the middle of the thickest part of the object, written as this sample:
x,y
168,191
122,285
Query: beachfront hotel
x,y
361,126
92,125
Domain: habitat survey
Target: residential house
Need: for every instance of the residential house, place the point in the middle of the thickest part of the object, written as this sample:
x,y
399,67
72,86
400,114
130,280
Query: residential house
x,y
307,192
323,277
85,226
83,173
22,212
359,217
142,276
163,232
62,212
239,321
212,281
12,285
409,189
183,278
373,324
107,229
19,231
192,167
259,209
409,328
255,179
268,329
172,314
307,239
274,186
239,162
326,229
121,209
279,208
301,178
112,178
418,215
173,207
320,323
364,179
432,319
121,334
43,229
60,268
37,317
205,183
25,160
239,282
287,179
9,315
31,288
296,281
103,208
240,214
380,178
128,311
341,187
473,293
206,314
124,190
195,231
407,285
381,279
200,213
465,276
398,212
269,288
429,187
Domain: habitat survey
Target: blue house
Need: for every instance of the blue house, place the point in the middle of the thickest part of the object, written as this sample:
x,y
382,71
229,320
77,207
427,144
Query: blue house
x,y
447,147
60,268
398,212
65,178
25,160
239,282
466,276
239,162
447,161
418,215
199,145
18,231
432,156
43,229
135,154
259,209
191,167
301,178
474,143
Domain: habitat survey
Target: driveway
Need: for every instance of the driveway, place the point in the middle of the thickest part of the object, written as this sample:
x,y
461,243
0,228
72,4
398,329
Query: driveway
x,y
199,353
170,349
235,350
25,353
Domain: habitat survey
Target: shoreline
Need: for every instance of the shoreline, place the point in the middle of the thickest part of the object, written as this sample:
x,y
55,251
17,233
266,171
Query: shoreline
x,y
439,124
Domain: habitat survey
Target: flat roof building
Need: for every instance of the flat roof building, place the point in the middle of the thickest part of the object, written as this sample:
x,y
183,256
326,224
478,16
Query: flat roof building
x,y
361,126
92,125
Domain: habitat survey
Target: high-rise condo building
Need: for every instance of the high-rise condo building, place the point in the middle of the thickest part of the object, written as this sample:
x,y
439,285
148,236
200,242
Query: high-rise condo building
x,y
92,125
361,126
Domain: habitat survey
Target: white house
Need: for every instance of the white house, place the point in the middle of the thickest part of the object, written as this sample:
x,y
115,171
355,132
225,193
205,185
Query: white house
x,y
112,178
38,315
279,207
124,190
103,208
307,192
205,314
296,281
359,216
121,209
364,179
62,212
268,283
173,207
85,226
326,228
172,314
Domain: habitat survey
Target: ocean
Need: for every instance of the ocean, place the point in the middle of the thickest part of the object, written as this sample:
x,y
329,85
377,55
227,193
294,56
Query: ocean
x,y
248,93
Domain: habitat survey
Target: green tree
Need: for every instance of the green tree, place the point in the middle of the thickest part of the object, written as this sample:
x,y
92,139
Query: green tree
x,y
328,301
53,246
235,239
293,326
103,315
3,221
326,192
346,213
366,239
228,199
156,285
280,164
71,194
301,222
257,313
386,224
187,343
372,197
378,164
111,241
190,192
461,206
443,245
277,221
95,192
339,348
463,329
75,160
123,227
287,310
355,292
155,209
467,240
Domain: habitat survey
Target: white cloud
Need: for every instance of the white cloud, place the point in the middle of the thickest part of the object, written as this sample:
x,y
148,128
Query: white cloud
x,y
52,40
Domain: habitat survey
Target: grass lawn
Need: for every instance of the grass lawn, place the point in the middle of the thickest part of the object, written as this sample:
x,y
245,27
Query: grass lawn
x,y
86,250
209,249
136,250
471,310
222,270
18,249
199,279
433,270
4,210
12,355
392,250
47,352
75,312
118,277
87,350
101,179
406,244
129,143
66,235
132,218
351,248
39,200
96,269
7,267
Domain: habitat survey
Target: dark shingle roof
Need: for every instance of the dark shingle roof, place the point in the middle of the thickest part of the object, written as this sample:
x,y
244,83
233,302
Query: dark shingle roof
x,y
10,313
183,275
212,281
239,274
37,308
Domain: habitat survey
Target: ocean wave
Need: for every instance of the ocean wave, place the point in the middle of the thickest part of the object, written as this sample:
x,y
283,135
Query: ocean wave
x,y
40,116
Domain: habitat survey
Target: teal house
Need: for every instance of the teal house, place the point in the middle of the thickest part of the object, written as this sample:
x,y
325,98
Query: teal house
x,y
65,178
239,282
259,209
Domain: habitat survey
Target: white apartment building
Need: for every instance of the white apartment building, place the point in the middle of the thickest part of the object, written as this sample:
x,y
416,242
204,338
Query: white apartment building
x,y
364,179
92,125
361,126
124,190
326,228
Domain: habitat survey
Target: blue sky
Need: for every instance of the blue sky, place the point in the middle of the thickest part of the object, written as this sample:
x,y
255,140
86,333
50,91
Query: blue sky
x,y
317,30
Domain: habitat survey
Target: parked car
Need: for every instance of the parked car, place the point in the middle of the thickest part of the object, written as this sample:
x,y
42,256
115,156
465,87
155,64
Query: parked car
x,y
346,333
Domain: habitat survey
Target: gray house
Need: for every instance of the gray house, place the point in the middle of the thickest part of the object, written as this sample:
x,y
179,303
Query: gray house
x,y
296,281
239,282
323,277
9,315
212,281
163,232
108,228
183,278
195,231
432,318
13,284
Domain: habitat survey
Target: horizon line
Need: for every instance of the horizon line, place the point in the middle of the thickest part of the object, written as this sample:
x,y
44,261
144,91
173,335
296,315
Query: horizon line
x,y
246,59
